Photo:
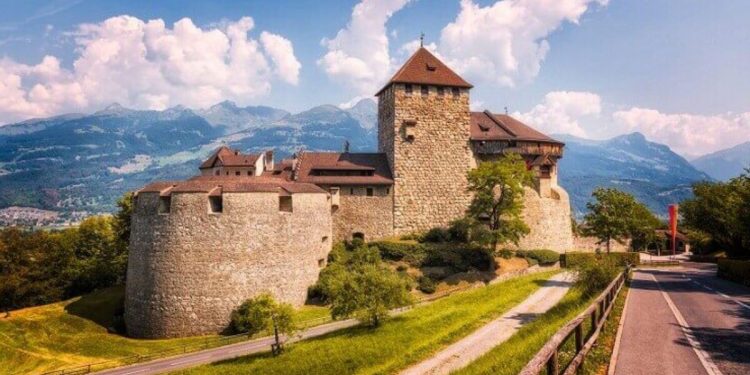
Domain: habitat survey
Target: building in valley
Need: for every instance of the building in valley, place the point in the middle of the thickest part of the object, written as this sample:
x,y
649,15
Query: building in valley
x,y
246,225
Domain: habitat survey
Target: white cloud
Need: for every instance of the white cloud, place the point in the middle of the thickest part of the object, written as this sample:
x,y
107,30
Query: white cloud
x,y
148,65
561,112
358,56
505,42
688,134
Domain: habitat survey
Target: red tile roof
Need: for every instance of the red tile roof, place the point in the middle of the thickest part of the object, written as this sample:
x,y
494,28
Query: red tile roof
x,y
486,126
208,184
424,68
374,163
230,158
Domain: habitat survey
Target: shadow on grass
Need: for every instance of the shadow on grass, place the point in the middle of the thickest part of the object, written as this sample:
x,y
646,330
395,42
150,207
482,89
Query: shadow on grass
x,y
100,306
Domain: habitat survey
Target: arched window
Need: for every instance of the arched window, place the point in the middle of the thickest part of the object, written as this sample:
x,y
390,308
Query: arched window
x,y
358,236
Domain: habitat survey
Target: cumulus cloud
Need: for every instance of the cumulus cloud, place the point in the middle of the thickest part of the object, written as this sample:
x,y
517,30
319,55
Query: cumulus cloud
x,y
359,56
505,42
688,134
561,112
146,64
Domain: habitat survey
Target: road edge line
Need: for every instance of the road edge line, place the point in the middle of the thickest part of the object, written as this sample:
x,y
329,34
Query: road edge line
x,y
618,337
703,357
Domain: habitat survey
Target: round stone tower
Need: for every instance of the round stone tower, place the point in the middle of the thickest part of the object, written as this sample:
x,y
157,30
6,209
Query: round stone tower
x,y
200,247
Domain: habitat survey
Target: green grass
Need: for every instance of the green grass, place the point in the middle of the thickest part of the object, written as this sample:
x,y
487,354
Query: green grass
x,y
73,332
400,341
597,361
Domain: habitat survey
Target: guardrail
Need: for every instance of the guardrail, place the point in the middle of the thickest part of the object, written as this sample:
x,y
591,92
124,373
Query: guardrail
x,y
548,357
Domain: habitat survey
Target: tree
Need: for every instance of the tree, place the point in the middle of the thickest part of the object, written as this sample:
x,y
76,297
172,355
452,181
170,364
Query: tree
x,y
721,211
643,228
498,189
613,216
363,287
264,314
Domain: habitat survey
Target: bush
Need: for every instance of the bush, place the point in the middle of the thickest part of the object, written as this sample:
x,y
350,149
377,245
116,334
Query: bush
x,y
734,270
460,230
459,258
594,276
426,285
401,268
544,257
437,235
505,253
532,262
259,313
573,260
410,252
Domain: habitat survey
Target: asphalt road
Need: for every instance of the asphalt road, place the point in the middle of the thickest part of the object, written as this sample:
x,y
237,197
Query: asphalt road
x,y
220,353
685,321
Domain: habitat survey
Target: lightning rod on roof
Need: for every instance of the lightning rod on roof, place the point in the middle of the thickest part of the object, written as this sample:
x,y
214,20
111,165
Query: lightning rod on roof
x,y
346,146
506,110
421,39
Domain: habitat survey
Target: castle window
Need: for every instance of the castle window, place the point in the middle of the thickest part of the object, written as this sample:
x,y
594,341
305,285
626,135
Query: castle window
x,y
165,204
456,92
351,191
218,172
441,90
237,173
358,236
387,191
425,90
370,192
408,89
545,171
216,203
249,173
285,203
227,173
321,262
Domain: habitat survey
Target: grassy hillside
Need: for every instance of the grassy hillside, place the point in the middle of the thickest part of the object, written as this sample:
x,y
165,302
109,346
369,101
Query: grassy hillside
x,y
74,332
403,340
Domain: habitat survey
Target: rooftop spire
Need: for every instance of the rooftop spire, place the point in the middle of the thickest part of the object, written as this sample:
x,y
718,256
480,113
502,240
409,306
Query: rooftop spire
x,y
421,39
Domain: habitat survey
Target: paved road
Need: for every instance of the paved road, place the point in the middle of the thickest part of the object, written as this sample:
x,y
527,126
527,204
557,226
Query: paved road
x,y
685,321
221,353
481,341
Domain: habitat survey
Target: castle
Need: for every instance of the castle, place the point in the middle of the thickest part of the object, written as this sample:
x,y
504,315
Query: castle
x,y
248,225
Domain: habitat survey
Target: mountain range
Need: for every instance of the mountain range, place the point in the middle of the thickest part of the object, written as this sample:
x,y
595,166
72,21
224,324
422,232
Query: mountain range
x,y
77,164
725,164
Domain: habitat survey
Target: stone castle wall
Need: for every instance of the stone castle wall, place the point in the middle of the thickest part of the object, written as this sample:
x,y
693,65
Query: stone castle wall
x,y
358,213
189,269
429,170
548,219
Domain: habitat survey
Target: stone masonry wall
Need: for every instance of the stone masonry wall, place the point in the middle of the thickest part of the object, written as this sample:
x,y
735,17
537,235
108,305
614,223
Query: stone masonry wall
x,y
548,219
372,216
430,170
189,269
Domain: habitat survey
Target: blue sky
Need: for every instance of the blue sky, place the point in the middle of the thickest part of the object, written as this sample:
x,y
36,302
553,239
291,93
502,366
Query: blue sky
x,y
675,70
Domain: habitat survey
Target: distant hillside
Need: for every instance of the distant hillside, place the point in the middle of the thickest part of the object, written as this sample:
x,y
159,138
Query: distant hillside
x,y
77,164
725,164
651,171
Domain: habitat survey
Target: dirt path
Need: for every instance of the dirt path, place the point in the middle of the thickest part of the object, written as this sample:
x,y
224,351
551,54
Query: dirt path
x,y
468,349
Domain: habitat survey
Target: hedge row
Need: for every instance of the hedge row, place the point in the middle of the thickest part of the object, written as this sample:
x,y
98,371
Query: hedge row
x,y
734,270
576,259
541,256
459,257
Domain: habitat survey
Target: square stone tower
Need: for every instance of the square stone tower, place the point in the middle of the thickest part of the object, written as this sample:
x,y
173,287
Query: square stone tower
x,y
424,129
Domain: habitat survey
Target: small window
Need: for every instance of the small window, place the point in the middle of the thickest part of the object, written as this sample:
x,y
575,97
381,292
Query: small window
x,y
249,173
408,89
218,172
425,90
455,92
325,239
227,173
441,91
370,191
358,236
217,204
165,204
351,191
237,173
285,203
387,191
321,262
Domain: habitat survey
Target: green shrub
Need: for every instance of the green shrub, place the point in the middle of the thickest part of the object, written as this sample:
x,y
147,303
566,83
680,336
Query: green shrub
x,y
460,258
460,230
542,256
411,237
572,260
532,261
734,270
594,276
426,285
258,314
437,235
410,252
401,268
505,253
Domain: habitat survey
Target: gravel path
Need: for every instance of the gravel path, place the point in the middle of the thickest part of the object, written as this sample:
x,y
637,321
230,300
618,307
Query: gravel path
x,y
468,349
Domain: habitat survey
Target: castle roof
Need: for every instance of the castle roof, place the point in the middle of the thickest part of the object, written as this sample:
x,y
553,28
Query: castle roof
x,y
230,158
424,68
487,126
227,184
334,168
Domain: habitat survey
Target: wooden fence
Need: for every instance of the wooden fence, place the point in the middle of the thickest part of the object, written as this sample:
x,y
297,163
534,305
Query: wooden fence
x,y
548,357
